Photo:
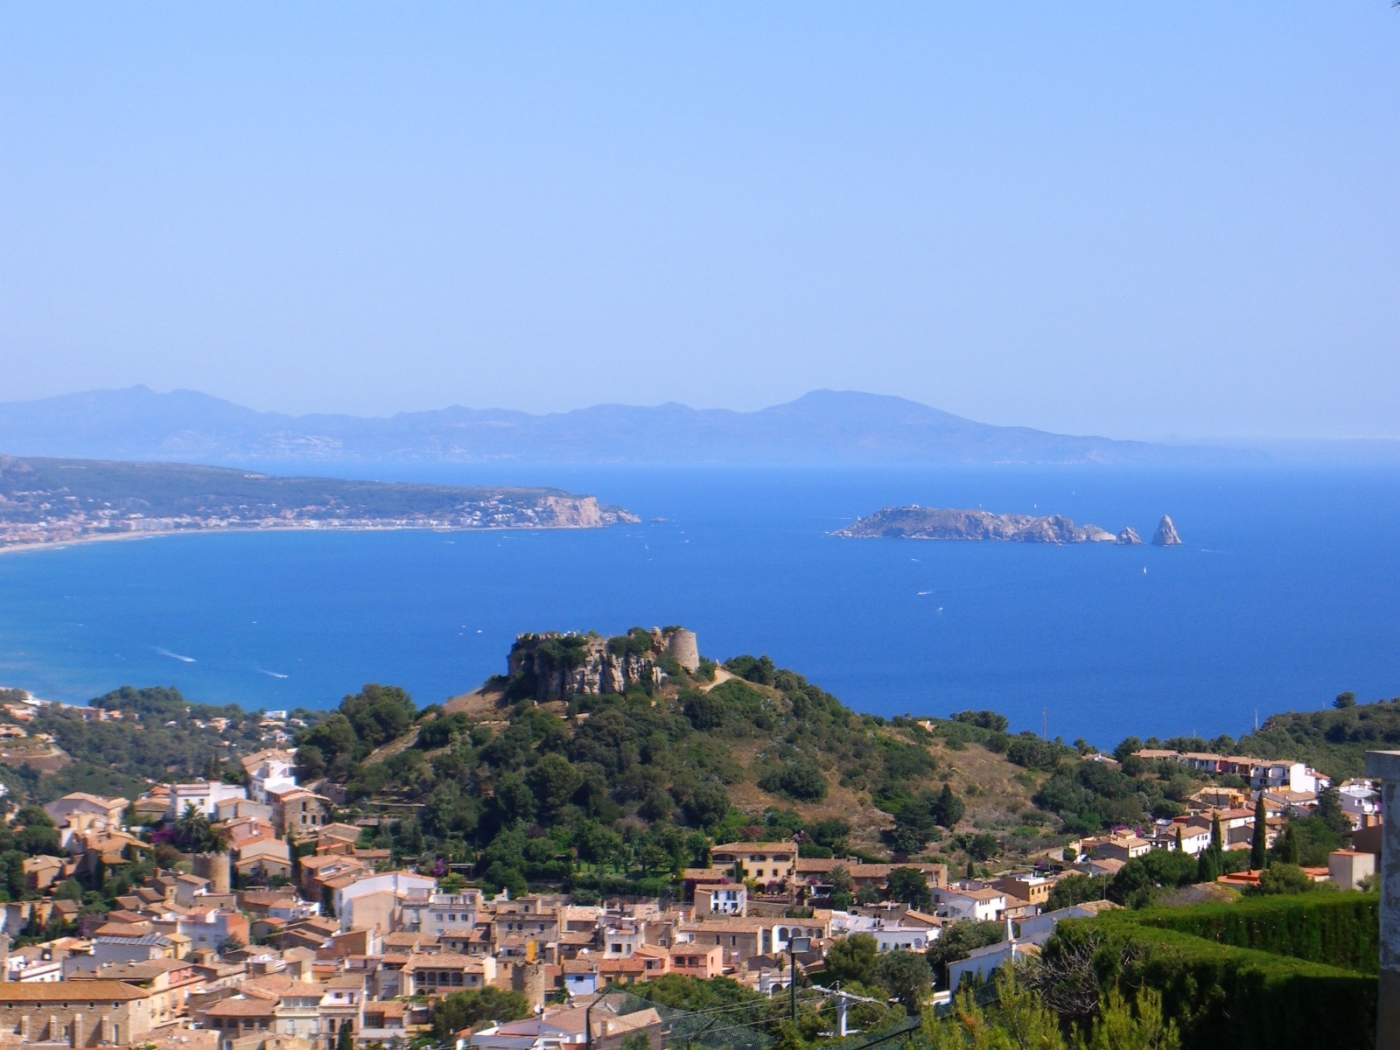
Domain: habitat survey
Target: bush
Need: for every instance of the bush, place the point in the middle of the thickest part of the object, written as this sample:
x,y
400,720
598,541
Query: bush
x,y
1341,929
458,1010
1076,889
1034,753
703,710
800,780
1223,994
983,719
760,670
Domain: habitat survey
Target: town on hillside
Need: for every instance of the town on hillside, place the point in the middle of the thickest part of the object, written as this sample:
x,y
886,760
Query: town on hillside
x,y
259,919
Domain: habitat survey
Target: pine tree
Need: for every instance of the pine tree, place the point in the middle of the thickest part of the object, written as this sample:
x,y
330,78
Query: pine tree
x,y
1258,850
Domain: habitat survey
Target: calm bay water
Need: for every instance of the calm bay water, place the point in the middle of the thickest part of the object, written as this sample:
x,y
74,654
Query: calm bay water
x,y
1284,594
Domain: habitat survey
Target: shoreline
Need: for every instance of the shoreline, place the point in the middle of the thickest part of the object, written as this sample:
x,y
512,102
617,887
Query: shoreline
x,y
154,534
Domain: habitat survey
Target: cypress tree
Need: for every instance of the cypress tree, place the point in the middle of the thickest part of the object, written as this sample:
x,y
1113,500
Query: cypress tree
x,y
1212,861
1207,866
1258,853
1179,846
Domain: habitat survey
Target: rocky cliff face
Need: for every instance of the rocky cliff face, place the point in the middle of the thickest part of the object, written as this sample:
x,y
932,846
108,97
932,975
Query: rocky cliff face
x,y
554,666
934,523
1129,537
581,512
1166,533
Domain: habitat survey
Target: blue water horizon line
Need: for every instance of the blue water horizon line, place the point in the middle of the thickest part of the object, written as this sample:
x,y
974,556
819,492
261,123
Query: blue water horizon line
x,y
1278,601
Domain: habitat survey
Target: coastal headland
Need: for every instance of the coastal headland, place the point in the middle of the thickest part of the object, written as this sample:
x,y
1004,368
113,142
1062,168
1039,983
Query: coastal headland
x,y
46,501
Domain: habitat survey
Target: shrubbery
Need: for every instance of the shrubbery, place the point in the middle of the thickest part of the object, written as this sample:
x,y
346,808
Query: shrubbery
x,y
1216,984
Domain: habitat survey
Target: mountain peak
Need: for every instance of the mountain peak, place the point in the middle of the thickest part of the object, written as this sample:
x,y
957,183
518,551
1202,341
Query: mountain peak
x,y
822,427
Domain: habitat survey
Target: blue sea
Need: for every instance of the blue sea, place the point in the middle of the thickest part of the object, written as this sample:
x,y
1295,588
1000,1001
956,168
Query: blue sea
x,y
1284,594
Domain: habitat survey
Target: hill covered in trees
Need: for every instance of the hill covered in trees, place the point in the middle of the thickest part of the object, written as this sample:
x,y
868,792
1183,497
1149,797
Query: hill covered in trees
x,y
619,791
601,789
633,786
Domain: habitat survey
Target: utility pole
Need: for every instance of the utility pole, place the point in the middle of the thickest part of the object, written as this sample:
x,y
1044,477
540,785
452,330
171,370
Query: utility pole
x,y
588,1022
795,945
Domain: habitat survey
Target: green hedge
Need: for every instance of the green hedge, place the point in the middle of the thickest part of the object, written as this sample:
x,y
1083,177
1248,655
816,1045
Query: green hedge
x,y
1226,996
1339,929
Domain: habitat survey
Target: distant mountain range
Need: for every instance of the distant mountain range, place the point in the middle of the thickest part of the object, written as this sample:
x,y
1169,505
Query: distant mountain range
x,y
824,427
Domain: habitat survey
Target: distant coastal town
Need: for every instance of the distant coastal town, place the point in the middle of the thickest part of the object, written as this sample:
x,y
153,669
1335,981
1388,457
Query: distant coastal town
x,y
47,501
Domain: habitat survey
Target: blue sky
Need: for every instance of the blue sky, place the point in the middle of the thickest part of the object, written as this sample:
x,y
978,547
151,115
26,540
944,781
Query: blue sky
x,y
1129,219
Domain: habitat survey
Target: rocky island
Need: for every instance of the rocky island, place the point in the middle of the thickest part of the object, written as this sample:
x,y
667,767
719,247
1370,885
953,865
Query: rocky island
x,y
937,523
65,500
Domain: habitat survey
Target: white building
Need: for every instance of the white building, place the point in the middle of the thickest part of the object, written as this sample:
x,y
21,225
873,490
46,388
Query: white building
x,y
270,772
984,905
984,962
721,899
896,937
1359,798
203,796
397,884
1293,776
450,913
1195,835
1036,929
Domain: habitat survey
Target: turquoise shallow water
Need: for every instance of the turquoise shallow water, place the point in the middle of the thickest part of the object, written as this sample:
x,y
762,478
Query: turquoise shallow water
x,y
1285,593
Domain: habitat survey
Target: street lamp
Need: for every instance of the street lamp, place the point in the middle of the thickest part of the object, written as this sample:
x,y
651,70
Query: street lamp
x,y
795,945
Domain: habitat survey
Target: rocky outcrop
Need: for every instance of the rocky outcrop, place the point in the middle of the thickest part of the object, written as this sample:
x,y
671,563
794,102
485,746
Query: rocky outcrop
x,y
553,666
581,512
934,523
1129,537
1167,535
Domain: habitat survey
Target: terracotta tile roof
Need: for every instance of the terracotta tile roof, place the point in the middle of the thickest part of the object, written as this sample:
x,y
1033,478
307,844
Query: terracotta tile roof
x,y
63,991
245,1007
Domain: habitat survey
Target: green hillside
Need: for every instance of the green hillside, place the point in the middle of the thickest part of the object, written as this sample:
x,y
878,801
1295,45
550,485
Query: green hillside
x,y
1334,741
618,792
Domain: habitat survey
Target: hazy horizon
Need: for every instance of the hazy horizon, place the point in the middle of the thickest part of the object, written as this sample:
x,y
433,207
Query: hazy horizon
x,y
1143,223
1385,447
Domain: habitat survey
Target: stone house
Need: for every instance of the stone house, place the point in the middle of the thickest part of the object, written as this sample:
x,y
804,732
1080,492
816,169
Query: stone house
x,y
764,861
297,811
75,1014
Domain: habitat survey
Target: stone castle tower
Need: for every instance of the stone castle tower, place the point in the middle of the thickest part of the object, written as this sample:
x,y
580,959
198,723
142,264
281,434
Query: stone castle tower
x,y
589,664
215,868
684,646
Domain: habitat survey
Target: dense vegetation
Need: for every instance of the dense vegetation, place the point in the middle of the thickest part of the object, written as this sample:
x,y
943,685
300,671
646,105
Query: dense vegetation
x,y
163,736
1334,741
620,792
1256,974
